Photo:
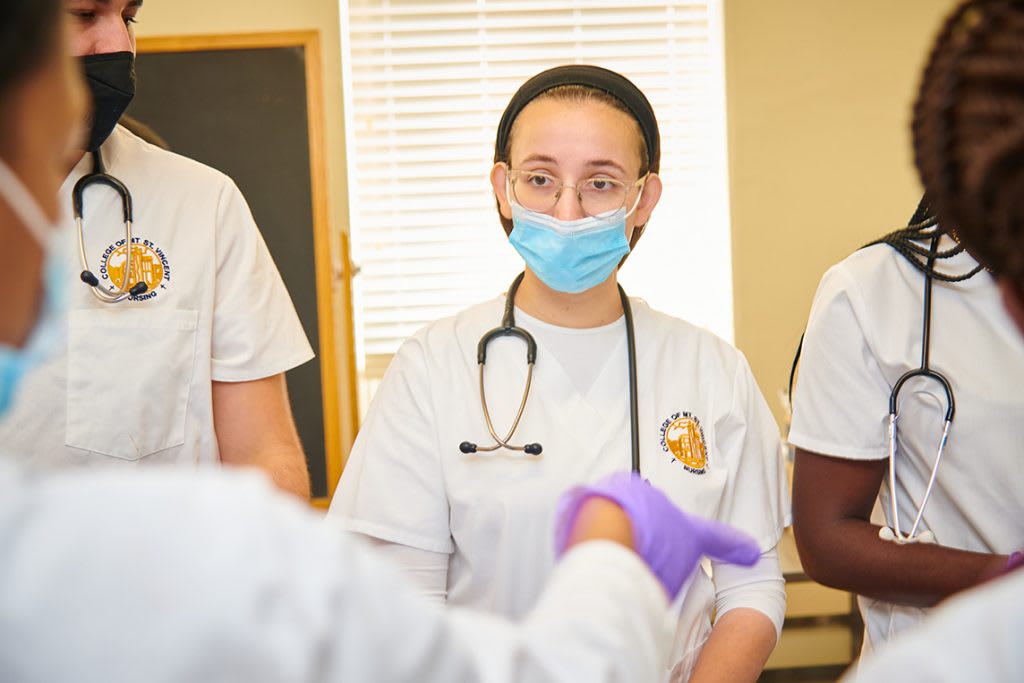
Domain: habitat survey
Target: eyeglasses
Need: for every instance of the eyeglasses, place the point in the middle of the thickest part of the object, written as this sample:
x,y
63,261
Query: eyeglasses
x,y
540,192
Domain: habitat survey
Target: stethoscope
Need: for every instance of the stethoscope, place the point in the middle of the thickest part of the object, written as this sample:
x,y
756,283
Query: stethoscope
x,y
509,328
895,533
99,176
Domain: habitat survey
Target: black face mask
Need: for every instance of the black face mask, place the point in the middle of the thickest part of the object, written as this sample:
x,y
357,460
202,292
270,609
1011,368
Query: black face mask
x,y
111,80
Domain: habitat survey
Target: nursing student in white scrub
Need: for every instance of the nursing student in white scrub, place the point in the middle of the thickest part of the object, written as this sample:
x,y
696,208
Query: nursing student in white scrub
x,y
190,371
970,163
576,181
864,333
214,575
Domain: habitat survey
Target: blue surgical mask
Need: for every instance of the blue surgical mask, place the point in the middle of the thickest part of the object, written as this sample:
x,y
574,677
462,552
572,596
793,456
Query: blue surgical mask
x,y
570,256
15,362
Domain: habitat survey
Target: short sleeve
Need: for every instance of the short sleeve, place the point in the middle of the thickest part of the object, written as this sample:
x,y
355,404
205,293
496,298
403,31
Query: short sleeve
x,y
256,331
757,497
841,398
392,487
426,570
760,587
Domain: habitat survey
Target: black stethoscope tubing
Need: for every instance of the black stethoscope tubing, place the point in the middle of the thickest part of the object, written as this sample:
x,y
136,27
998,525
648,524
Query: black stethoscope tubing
x,y
906,247
99,176
926,328
895,532
508,328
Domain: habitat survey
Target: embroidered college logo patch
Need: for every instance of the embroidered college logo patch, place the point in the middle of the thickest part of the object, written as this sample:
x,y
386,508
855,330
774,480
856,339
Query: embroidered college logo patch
x,y
149,264
683,437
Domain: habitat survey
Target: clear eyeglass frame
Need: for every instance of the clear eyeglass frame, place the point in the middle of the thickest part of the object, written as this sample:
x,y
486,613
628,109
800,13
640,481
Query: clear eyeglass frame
x,y
621,189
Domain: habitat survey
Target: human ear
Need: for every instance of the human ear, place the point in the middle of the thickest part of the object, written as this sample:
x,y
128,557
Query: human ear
x,y
499,183
648,199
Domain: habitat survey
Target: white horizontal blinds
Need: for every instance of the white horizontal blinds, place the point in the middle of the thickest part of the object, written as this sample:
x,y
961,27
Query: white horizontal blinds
x,y
428,83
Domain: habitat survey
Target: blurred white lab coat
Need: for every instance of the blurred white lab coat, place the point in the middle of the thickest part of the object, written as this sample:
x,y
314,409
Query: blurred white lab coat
x,y
165,575
975,636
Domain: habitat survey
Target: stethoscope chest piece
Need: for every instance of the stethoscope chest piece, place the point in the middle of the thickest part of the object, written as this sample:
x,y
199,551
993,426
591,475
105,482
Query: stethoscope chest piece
x,y
887,534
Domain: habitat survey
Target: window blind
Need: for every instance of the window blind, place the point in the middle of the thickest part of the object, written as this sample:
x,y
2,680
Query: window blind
x,y
426,83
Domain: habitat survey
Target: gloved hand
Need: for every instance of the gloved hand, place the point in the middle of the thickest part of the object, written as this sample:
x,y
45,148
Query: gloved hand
x,y
1015,562
669,540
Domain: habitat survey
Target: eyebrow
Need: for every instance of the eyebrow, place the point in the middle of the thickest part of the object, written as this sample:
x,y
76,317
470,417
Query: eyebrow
x,y
596,163
608,163
542,158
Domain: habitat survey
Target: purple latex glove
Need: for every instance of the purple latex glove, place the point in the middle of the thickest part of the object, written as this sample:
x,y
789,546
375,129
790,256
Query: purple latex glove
x,y
669,540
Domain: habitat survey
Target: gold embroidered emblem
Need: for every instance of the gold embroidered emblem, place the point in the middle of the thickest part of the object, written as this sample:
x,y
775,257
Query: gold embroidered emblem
x,y
149,264
683,437
145,266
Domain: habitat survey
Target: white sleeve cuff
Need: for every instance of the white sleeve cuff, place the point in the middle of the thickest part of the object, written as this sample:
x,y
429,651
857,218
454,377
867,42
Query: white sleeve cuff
x,y
760,587
427,570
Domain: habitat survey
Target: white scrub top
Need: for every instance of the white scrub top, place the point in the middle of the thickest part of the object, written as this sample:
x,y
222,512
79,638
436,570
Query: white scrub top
x,y
133,384
707,439
975,636
214,576
864,333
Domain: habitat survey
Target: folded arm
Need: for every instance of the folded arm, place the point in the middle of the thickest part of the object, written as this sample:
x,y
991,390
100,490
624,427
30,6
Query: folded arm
x,y
840,547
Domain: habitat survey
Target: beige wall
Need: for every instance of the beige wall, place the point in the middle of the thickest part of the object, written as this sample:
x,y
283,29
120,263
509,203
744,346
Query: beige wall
x,y
819,96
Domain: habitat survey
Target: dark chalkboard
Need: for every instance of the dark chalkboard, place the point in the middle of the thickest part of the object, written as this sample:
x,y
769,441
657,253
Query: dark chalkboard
x,y
246,111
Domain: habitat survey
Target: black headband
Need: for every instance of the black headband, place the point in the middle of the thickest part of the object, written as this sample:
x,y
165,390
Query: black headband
x,y
616,85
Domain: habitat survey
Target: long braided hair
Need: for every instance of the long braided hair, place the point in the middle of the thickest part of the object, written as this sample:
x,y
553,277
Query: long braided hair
x,y
969,131
923,229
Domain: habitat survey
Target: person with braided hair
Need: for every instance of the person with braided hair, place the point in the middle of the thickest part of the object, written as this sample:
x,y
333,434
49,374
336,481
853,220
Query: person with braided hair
x,y
865,332
969,145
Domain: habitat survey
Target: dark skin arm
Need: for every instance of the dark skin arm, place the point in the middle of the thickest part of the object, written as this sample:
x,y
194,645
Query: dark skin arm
x,y
839,547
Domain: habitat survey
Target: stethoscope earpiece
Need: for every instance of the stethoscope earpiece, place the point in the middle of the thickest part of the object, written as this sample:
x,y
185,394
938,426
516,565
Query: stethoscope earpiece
x,y
88,278
530,448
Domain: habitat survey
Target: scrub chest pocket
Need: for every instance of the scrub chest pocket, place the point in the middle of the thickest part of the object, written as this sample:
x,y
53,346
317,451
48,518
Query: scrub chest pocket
x,y
129,373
